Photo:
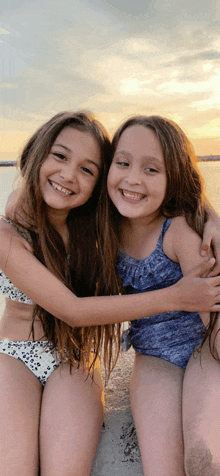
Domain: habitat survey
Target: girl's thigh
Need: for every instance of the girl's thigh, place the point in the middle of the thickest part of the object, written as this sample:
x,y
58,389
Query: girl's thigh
x,y
156,390
20,398
201,415
71,422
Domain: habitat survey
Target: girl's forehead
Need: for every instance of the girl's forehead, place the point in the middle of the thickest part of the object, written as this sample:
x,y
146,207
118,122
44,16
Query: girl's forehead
x,y
138,139
78,142
72,134
137,130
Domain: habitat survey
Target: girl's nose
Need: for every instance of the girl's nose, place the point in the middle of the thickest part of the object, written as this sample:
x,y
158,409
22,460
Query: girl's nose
x,y
68,173
133,177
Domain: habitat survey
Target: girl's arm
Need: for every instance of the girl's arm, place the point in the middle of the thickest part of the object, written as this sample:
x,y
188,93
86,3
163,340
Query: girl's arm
x,y
211,236
182,244
40,285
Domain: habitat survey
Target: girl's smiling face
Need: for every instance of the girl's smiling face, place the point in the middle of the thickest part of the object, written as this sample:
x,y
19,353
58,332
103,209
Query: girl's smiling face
x,y
71,171
137,176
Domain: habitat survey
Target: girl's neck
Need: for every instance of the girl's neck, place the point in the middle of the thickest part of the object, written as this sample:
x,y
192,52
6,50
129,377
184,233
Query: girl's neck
x,y
141,225
138,238
58,219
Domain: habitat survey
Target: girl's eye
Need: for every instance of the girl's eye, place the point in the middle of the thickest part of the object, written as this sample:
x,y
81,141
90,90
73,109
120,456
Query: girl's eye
x,y
59,156
88,171
150,170
122,163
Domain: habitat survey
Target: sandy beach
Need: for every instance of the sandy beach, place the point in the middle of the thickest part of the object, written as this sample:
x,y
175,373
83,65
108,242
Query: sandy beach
x,y
118,453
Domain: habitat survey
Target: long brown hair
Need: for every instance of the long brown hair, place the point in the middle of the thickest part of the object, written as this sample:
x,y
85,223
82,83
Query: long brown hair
x,y
91,267
184,191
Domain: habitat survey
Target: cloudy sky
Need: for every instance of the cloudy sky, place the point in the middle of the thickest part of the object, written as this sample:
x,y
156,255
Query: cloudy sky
x,y
114,57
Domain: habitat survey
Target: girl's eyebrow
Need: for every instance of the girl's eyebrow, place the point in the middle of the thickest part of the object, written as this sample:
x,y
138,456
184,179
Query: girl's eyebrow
x,y
92,162
121,152
61,145
128,154
87,160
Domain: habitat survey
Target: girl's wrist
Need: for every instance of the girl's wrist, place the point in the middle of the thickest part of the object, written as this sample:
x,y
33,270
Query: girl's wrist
x,y
182,297
177,301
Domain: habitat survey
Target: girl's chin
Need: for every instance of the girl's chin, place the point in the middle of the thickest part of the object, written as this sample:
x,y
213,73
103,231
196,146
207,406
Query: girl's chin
x,y
56,205
129,215
129,208
132,214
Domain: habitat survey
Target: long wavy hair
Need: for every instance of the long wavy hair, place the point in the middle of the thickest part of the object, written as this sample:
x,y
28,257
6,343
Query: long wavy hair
x,y
91,269
184,191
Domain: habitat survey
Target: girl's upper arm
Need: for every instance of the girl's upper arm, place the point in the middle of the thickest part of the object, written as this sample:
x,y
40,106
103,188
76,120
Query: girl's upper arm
x,y
42,287
186,245
30,276
211,236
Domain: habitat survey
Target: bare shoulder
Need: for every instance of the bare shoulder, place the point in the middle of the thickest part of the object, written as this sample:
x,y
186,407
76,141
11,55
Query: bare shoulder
x,y
186,244
10,238
179,226
182,233
180,239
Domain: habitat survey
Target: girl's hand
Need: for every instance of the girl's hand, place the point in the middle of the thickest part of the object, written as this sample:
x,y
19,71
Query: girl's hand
x,y
211,237
10,205
200,294
10,209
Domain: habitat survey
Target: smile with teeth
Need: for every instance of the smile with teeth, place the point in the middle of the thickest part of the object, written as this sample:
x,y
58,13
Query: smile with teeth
x,y
133,195
60,189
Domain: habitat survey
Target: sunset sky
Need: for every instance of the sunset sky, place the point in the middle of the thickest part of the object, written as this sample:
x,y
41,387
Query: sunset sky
x,y
116,58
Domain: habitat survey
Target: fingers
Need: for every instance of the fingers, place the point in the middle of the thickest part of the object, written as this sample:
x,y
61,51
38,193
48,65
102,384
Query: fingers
x,y
216,246
205,248
215,271
213,281
215,308
206,242
211,236
203,267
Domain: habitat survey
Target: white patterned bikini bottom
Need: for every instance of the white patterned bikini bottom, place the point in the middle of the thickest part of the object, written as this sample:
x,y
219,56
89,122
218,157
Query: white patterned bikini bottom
x,y
36,355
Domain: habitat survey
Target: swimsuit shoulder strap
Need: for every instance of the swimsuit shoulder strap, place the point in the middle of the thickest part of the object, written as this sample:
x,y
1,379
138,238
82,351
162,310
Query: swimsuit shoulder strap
x,y
22,231
164,228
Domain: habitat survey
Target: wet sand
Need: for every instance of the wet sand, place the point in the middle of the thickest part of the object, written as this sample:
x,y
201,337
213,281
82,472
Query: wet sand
x,y
118,453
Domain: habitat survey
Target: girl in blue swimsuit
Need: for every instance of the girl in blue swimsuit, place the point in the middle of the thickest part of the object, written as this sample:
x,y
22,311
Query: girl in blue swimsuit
x,y
157,200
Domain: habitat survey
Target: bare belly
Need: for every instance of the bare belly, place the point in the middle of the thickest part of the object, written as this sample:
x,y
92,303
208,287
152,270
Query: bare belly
x,y
16,322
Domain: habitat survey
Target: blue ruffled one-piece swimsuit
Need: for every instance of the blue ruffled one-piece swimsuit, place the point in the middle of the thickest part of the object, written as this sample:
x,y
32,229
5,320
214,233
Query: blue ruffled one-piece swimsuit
x,y
171,336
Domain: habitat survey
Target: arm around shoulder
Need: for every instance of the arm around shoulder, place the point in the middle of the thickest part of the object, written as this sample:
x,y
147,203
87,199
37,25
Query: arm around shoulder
x,y
211,237
186,244
32,278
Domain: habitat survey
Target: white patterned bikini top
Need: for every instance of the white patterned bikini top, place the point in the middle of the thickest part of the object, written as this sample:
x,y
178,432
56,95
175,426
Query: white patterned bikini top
x,y
7,288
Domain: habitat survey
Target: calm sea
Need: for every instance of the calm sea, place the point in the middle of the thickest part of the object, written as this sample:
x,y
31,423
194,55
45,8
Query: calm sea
x,y
209,170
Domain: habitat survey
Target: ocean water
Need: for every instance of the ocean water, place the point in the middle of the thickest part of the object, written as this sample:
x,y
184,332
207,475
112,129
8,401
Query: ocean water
x,y
209,170
7,183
